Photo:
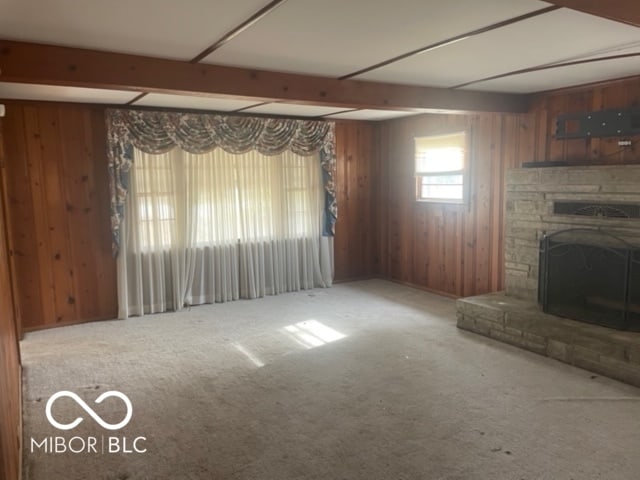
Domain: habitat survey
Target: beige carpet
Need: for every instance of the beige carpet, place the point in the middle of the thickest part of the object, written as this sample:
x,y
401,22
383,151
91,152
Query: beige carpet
x,y
368,380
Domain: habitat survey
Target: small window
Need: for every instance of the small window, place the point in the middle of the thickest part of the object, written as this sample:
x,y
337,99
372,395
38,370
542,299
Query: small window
x,y
441,162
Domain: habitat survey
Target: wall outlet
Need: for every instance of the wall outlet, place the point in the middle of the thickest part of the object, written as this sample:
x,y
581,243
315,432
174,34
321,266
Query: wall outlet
x,y
624,143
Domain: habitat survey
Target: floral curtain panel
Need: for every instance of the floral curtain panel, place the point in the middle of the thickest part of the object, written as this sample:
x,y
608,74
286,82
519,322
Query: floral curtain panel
x,y
158,132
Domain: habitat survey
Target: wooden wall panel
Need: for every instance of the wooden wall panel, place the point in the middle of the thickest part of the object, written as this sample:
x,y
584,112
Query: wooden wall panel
x,y
355,243
580,151
58,201
452,249
10,383
59,211
459,250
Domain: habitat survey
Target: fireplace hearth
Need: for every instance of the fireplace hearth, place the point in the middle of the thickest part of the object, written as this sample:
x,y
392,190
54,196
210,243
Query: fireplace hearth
x,y
590,276
572,269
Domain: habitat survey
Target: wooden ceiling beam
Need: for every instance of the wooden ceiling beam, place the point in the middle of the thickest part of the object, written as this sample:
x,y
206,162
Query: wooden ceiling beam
x,y
22,62
625,11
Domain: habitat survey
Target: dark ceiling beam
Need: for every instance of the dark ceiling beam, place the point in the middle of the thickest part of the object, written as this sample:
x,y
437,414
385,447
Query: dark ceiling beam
x,y
51,65
625,11
227,37
449,41
137,97
549,67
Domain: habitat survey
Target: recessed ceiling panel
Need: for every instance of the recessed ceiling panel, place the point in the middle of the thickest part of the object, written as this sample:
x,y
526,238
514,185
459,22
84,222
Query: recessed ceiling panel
x,y
195,103
549,38
293,110
338,37
49,93
372,115
562,76
159,28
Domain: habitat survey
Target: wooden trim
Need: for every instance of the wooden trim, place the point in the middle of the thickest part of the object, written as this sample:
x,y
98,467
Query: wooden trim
x,y
424,289
4,217
48,326
136,98
21,419
52,65
548,67
230,35
399,282
448,41
240,110
625,11
10,362
354,279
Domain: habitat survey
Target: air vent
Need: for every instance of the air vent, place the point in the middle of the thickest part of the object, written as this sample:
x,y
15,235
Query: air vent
x,y
604,210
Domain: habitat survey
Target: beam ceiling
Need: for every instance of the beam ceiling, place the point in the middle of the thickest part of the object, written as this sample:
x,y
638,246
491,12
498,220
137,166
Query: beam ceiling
x,y
45,64
625,11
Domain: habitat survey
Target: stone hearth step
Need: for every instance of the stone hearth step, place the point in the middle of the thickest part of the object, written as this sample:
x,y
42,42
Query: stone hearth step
x,y
612,353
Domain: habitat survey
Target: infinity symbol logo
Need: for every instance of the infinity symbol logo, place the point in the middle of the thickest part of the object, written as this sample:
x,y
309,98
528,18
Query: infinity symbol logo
x,y
89,410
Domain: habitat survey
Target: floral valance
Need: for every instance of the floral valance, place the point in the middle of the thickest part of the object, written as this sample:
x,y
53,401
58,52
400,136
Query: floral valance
x,y
158,132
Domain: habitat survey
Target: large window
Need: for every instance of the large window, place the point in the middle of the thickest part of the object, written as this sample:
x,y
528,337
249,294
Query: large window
x,y
441,168
220,199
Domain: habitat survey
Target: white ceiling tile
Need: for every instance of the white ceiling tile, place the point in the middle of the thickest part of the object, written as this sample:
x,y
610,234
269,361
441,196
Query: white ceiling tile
x,y
633,47
372,115
160,28
337,37
24,91
562,77
552,37
294,110
195,103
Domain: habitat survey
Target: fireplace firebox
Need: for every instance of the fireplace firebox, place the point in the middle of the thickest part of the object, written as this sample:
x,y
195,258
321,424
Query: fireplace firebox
x,y
591,276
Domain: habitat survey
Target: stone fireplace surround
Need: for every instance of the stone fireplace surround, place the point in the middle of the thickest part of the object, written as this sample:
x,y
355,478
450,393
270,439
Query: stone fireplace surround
x,y
514,316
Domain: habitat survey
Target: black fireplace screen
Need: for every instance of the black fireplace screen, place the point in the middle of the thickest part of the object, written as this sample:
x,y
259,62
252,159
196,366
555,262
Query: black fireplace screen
x,y
591,276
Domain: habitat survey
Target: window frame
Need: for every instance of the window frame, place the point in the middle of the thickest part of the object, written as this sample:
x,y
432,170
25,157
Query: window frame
x,y
465,171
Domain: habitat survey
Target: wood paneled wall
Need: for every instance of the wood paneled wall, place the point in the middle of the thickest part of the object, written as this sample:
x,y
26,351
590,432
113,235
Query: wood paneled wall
x,y
58,201
451,249
356,241
458,250
546,107
10,383
57,191
59,211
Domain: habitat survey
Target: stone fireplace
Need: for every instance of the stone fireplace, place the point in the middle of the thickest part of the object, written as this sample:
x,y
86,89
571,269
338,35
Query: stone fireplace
x,y
572,269
591,276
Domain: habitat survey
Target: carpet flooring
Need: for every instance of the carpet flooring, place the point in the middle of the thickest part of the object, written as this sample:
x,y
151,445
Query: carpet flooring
x,y
364,381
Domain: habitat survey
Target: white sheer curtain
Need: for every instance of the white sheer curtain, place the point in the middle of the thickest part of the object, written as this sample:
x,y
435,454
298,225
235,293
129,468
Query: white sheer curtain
x,y
217,227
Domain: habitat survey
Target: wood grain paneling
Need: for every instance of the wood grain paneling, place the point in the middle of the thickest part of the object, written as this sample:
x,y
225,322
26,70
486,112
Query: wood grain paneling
x,y
453,249
10,383
58,202
459,250
355,243
59,221
619,94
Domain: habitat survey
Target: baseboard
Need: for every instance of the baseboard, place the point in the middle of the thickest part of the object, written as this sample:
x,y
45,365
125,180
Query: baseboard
x,y
354,279
65,324
423,288
20,426
400,282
